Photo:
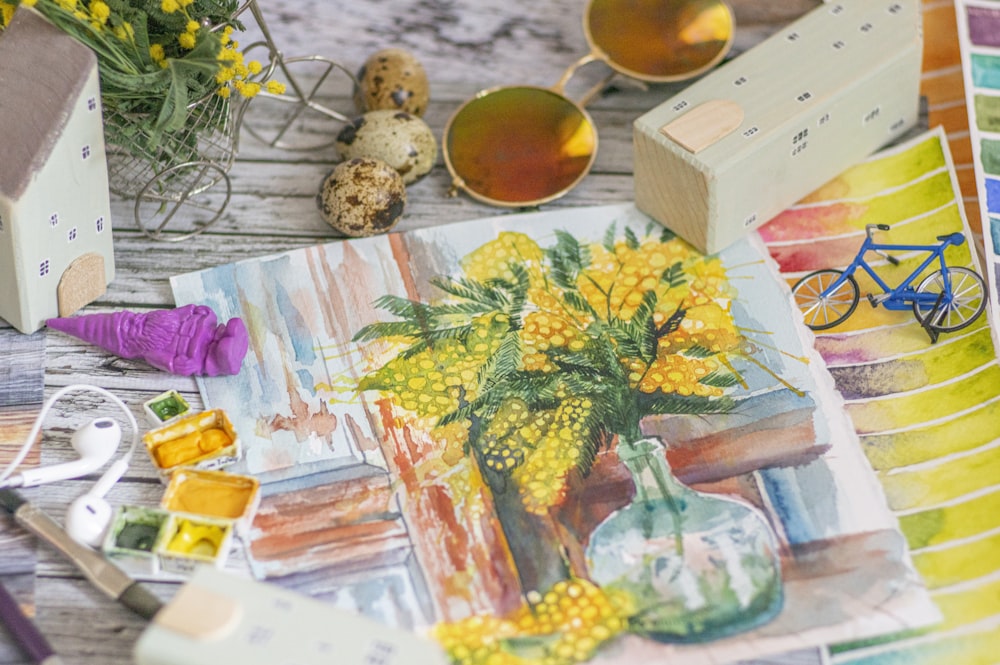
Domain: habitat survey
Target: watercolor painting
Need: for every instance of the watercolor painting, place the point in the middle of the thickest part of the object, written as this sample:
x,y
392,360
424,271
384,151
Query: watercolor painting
x,y
926,414
556,437
979,39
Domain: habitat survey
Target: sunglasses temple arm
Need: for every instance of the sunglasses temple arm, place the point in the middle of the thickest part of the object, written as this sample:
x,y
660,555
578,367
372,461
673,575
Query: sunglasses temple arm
x,y
596,89
560,87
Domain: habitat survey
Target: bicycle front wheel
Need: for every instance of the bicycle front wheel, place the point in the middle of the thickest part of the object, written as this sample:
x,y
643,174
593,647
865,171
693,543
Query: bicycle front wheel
x,y
822,307
968,300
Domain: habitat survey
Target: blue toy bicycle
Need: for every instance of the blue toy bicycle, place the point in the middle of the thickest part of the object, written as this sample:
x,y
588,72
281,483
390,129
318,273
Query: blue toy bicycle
x,y
947,300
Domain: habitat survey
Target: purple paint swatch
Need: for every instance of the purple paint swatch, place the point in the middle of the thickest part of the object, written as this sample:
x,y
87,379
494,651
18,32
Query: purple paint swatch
x,y
984,26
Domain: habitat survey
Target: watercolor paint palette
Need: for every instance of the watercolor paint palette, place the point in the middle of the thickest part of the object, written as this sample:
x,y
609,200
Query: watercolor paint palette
x,y
187,541
149,541
203,440
130,538
165,408
979,38
216,494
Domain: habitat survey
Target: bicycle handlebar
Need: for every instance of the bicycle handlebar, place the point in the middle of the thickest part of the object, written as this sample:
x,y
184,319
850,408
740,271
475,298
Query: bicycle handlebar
x,y
869,228
875,227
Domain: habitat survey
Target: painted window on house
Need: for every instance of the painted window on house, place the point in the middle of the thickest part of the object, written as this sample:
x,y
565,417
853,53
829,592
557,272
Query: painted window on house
x,y
43,268
54,219
99,224
71,236
85,151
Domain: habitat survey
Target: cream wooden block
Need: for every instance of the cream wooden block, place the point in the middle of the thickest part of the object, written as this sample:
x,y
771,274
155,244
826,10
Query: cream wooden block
x,y
740,145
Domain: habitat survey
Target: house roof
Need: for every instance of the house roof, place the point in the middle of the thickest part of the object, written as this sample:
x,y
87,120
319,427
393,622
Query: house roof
x,y
42,73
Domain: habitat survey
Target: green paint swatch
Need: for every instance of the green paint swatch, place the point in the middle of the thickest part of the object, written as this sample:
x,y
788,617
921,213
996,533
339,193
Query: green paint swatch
x,y
987,113
989,155
953,522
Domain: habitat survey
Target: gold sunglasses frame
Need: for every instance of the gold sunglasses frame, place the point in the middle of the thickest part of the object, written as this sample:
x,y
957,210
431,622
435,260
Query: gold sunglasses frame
x,y
596,54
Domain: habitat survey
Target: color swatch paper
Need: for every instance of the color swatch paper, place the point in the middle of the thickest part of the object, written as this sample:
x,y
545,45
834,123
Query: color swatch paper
x,y
979,39
927,414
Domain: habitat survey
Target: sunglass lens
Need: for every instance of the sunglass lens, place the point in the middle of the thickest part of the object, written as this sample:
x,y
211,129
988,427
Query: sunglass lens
x,y
661,39
520,145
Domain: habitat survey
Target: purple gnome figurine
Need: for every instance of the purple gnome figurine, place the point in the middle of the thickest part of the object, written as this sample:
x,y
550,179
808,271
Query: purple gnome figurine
x,y
185,341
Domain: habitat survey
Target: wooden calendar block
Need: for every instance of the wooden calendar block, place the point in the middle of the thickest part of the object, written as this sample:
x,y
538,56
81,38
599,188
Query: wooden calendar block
x,y
740,145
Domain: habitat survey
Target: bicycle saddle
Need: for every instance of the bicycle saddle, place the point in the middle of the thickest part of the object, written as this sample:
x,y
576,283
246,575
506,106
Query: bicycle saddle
x,y
955,238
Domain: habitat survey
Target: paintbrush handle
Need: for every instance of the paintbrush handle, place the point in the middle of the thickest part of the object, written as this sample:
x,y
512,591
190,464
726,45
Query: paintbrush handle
x,y
103,574
24,631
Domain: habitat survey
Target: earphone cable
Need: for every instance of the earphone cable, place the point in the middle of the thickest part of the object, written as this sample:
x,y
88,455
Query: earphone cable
x,y
56,396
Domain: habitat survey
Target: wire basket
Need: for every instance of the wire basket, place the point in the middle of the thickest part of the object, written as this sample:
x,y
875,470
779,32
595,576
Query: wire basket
x,y
175,174
163,173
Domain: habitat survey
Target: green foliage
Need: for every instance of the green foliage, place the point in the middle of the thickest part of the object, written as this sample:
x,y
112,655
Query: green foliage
x,y
559,387
156,58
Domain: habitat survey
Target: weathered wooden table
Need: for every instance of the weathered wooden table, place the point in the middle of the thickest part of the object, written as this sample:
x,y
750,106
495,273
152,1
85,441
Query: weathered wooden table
x,y
465,46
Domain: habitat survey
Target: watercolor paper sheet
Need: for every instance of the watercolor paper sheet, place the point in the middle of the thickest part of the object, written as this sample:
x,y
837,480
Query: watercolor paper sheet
x,y
979,40
926,414
372,504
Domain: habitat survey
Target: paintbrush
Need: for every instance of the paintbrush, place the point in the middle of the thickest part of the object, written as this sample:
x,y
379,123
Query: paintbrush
x,y
24,631
103,574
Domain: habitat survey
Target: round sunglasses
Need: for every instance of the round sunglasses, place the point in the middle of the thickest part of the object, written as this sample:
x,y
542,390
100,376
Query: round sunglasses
x,y
521,146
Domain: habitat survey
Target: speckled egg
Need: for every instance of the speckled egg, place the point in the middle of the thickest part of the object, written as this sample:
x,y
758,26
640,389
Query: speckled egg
x,y
362,197
400,139
394,79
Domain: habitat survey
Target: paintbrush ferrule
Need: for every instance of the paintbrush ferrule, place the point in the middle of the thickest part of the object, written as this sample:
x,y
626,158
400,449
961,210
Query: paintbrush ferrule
x,y
103,574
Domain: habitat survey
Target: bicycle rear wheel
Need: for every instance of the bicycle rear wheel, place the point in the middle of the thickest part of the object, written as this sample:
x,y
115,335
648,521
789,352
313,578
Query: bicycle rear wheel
x,y
968,300
821,310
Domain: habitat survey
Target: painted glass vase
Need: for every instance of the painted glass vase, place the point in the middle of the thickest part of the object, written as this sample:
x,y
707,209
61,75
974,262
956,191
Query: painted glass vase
x,y
697,566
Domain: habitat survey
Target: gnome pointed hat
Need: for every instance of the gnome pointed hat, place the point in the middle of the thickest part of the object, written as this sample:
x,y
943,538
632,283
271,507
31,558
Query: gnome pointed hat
x,y
185,340
103,329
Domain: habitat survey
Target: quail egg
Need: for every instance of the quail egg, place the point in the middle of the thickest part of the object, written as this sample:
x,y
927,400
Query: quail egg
x,y
362,197
394,79
400,139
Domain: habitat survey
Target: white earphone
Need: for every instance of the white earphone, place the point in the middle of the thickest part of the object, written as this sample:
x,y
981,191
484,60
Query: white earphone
x,y
95,442
88,515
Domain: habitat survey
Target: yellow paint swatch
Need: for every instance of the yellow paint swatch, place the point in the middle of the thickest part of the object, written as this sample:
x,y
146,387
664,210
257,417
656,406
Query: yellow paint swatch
x,y
936,484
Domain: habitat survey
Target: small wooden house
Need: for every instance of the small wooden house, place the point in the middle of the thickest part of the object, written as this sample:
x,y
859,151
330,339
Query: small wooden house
x,y
56,251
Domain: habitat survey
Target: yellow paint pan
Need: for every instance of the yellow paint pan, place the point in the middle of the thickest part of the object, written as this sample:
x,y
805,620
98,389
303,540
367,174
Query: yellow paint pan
x,y
202,440
215,494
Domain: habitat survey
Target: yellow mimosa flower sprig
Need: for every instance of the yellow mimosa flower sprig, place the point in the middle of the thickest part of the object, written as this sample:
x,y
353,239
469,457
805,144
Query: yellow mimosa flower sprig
x,y
156,58
550,354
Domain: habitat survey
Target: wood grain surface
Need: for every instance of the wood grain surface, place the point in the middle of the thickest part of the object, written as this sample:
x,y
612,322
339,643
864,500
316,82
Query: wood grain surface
x,y
465,46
